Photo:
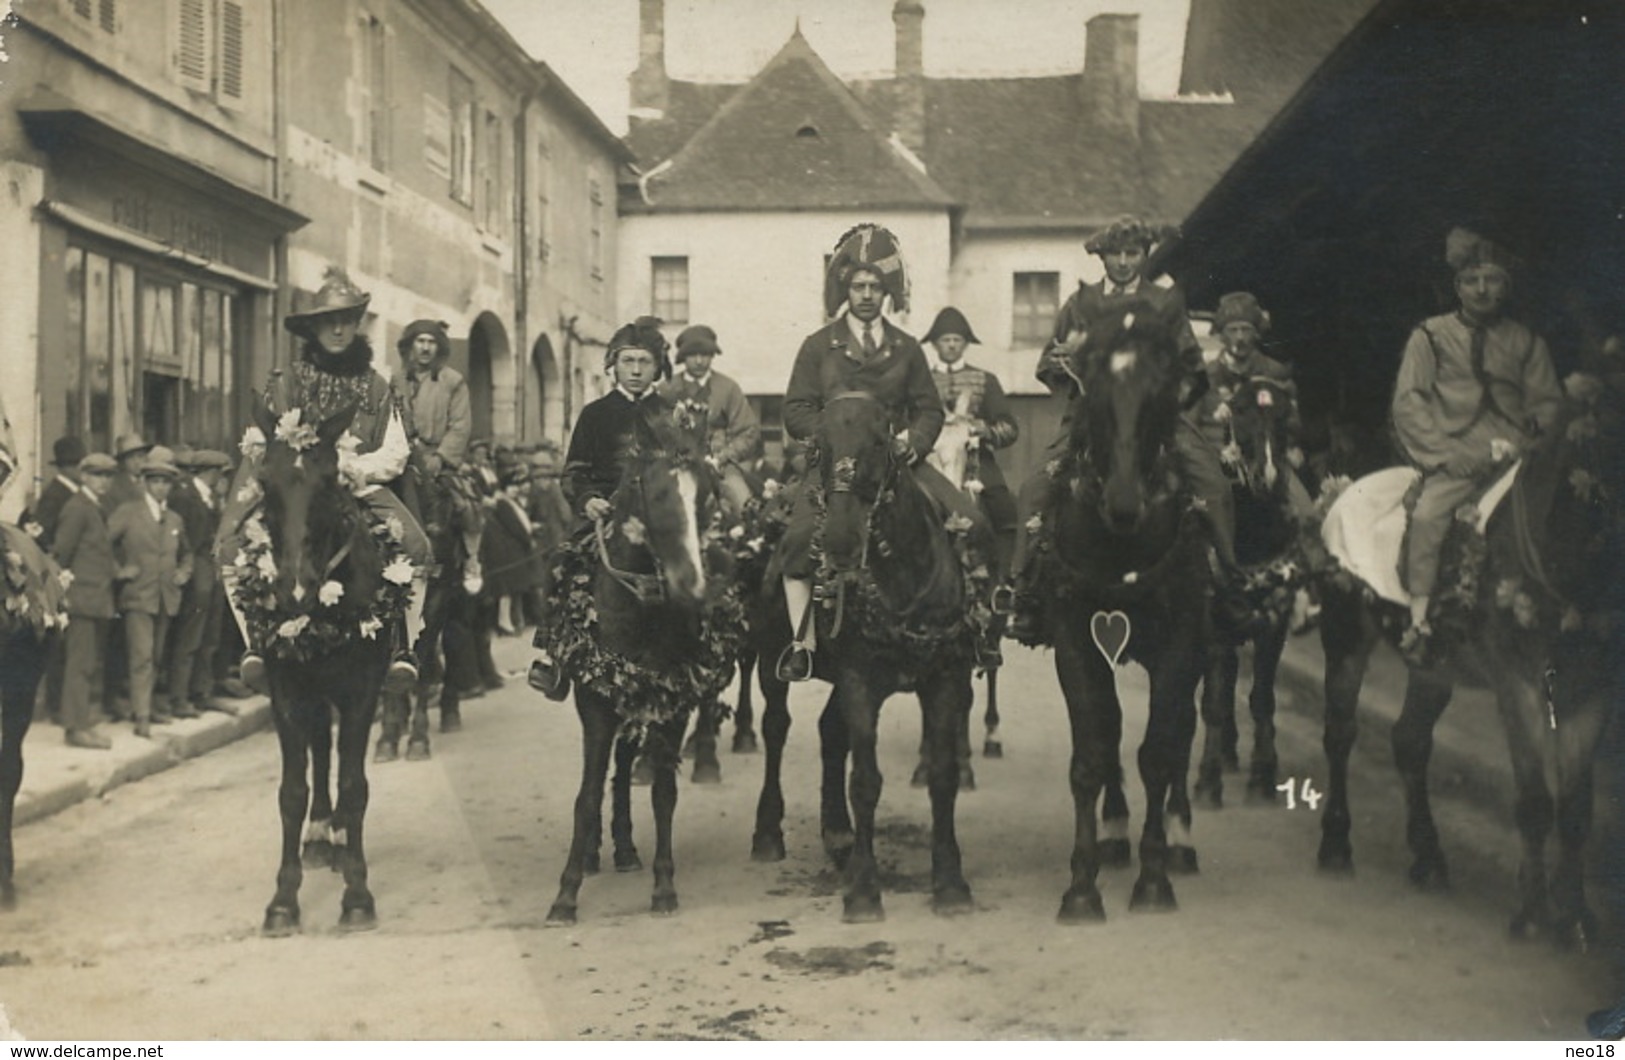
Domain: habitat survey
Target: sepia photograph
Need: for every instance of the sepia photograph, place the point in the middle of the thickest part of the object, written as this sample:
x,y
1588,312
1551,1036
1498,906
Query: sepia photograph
x,y
473,473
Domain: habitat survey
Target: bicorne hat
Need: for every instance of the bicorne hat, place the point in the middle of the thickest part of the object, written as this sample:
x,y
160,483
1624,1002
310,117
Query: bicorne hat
x,y
950,321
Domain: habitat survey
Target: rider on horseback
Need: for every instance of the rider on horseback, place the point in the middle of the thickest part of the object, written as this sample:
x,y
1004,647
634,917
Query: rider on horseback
x,y
733,434
334,371
1474,389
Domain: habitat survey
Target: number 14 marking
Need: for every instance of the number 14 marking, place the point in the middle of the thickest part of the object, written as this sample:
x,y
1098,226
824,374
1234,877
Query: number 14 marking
x,y
1294,793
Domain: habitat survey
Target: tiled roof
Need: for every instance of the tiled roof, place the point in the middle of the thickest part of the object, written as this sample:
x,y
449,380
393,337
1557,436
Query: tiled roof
x,y
794,137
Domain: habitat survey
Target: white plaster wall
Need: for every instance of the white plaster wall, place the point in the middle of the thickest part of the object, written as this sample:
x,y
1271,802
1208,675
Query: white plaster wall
x,y
21,186
758,278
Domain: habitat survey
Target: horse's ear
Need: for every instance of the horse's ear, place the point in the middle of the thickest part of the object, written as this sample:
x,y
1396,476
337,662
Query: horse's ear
x,y
264,418
334,426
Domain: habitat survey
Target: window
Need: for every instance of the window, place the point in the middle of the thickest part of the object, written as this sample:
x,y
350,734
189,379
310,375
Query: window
x,y
375,105
105,12
595,202
1036,300
461,95
668,280
544,193
209,42
491,174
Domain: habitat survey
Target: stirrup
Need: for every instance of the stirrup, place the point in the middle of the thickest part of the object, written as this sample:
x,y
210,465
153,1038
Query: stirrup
x,y
1003,600
251,671
795,663
545,677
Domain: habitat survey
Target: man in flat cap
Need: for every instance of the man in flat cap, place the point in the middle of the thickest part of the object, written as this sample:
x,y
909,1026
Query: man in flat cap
x,y
1474,390
154,565
733,433
195,634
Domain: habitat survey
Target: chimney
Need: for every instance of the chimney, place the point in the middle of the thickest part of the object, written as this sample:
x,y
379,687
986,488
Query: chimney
x,y
908,109
1111,71
650,91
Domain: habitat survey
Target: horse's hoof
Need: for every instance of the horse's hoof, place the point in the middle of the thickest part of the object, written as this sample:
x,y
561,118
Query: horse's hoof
x,y
967,778
1153,894
361,918
1209,792
591,864
1430,875
993,749
1182,861
1082,907
643,772
663,904
418,751
838,845
561,915
386,752
1115,853
707,773
1261,789
921,777
745,743
627,861
319,854
280,923
451,720
767,848
690,744
862,909
953,900
1336,858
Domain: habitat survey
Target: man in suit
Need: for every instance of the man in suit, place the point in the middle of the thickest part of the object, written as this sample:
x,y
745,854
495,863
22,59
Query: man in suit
x,y
732,432
82,548
154,565
196,633
66,455
132,454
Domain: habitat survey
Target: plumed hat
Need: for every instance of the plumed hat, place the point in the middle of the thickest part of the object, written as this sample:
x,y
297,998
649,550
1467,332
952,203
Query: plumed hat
x,y
336,295
644,334
696,338
868,246
1240,306
950,321
1128,231
435,328
1464,249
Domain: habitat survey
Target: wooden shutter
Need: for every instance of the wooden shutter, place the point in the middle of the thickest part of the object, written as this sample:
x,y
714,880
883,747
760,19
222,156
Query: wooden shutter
x,y
107,15
192,43
231,52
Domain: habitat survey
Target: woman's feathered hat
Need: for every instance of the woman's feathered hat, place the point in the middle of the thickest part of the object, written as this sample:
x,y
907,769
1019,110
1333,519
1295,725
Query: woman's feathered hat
x,y
950,321
336,295
867,246
644,334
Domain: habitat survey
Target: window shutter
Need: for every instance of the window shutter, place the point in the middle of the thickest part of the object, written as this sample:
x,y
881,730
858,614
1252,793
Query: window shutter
x,y
192,44
107,15
231,51
81,8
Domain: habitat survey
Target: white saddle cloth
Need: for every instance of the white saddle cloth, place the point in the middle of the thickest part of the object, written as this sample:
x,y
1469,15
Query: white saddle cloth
x,y
1366,525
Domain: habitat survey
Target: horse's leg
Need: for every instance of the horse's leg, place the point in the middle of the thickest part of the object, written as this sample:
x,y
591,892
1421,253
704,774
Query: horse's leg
x,y
1182,701
767,843
1577,736
1218,714
21,666
1088,694
1116,852
1524,718
992,746
1425,699
835,819
319,846
945,697
663,748
598,725
427,691
391,722
860,708
293,797
1164,754
1346,639
1267,649
962,755
922,768
628,752
358,911
707,723
744,711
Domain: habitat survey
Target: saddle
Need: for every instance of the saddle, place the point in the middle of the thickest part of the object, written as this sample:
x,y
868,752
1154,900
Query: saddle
x,y
1366,525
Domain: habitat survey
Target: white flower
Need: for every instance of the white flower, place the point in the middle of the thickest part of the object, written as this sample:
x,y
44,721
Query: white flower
x,y
370,627
472,584
348,443
255,533
397,530
770,489
253,443
736,531
266,565
293,627
1502,449
399,571
634,530
66,578
250,492
330,593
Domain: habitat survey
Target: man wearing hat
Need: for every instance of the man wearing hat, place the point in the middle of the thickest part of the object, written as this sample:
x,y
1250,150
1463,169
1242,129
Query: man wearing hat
x,y
132,454
332,373
154,565
65,457
441,416
733,434
196,632
1474,390
82,548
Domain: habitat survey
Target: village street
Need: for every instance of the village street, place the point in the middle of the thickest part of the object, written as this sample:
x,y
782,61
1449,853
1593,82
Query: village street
x,y
140,912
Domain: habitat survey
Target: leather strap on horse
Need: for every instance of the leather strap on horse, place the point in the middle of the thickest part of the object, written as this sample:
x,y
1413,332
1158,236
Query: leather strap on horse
x,y
648,588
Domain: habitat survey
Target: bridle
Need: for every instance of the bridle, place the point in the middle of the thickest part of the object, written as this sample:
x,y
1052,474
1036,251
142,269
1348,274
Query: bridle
x,y
843,477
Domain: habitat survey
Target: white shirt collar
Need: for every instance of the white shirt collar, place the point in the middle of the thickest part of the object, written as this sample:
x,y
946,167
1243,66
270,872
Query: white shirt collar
x,y
697,383
633,398
73,487
153,506
877,328
1132,287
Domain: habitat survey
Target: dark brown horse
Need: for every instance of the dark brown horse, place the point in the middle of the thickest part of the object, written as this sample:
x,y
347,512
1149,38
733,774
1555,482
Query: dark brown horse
x,y
1121,549
1532,607
1267,548
326,651
660,643
893,607
30,615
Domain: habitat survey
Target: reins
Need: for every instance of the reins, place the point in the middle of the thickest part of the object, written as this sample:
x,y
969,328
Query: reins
x,y
646,588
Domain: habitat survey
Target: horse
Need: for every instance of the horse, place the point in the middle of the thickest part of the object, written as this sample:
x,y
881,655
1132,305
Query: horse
x,y
31,615
894,604
656,627
1267,539
1118,541
453,521
1530,603
322,587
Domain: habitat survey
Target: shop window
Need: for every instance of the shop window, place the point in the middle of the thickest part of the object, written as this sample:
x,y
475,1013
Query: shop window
x,y
1034,303
668,281
209,47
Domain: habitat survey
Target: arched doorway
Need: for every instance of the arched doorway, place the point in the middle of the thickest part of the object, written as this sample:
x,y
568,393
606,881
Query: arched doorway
x,y
491,380
544,405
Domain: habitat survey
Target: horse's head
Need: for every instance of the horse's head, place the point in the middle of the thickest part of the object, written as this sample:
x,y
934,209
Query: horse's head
x,y
1130,404
1260,420
453,517
665,499
309,515
856,465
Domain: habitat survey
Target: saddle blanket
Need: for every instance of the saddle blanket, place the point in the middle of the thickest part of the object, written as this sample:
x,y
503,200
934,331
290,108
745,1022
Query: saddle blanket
x,y
1365,527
